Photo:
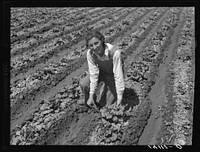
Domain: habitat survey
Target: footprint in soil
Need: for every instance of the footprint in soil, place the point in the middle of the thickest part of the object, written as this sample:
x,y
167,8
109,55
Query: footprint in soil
x,y
130,98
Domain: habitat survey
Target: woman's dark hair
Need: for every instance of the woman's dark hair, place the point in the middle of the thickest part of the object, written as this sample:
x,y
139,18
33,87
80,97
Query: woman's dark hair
x,y
96,34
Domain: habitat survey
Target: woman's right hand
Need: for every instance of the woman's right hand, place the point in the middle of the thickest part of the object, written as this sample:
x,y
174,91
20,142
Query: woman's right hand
x,y
90,102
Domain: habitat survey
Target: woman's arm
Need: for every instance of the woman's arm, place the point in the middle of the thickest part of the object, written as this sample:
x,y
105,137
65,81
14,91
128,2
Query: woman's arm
x,y
93,72
118,75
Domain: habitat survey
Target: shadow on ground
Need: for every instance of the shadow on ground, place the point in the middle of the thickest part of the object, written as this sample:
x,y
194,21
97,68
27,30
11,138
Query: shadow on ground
x,y
130,98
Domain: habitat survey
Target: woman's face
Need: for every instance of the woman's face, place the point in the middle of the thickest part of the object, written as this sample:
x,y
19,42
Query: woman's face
x,y
96,45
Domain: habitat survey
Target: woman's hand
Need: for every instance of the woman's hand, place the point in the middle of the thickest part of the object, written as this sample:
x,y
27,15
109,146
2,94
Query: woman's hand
x,y
90,101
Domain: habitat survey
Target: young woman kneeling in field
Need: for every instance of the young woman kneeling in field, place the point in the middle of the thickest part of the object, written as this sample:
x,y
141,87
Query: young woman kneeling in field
x,y
105,72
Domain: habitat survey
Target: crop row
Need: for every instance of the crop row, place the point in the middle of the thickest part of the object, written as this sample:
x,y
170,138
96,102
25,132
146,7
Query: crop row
x,y
19,20
177,121
23,63
37,14
141,112
50,31
46,77
40,18
139,32
152,52
130,21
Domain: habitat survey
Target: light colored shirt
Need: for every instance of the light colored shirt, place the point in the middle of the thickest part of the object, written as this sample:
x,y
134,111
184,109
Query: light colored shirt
x,y
117,69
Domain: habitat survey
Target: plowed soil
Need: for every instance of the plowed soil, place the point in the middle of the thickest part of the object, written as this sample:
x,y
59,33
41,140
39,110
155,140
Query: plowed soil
x,y
158,49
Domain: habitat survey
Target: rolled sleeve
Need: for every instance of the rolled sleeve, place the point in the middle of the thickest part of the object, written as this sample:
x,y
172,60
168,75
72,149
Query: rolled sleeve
x,y
93,72
118,74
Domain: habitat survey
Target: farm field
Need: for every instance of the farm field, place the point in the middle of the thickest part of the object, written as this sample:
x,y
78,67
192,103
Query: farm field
x,y
48,59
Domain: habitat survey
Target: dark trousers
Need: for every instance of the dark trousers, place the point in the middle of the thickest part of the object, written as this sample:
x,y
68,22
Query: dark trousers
x,y
105,93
